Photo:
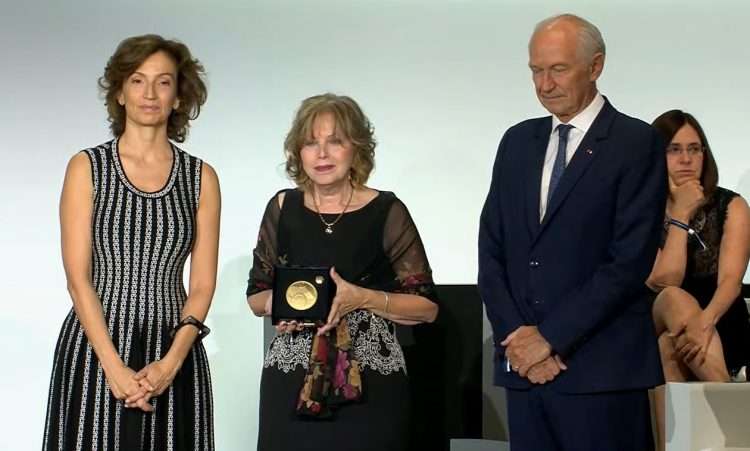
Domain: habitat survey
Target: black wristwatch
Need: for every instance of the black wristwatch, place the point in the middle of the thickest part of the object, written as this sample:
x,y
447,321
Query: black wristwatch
x,y
190,320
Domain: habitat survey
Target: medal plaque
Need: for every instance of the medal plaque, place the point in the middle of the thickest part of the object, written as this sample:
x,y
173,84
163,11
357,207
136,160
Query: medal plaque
x,y
302,294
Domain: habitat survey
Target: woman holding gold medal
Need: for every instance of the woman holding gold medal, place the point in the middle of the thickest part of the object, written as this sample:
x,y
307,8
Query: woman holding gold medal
x,y
339,384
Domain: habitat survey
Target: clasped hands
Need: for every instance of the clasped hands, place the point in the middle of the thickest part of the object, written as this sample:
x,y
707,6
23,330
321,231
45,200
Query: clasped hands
x,y
530,355
137,388
349,297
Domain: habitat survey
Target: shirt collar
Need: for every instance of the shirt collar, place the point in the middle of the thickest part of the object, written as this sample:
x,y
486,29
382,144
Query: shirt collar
x,y
583,120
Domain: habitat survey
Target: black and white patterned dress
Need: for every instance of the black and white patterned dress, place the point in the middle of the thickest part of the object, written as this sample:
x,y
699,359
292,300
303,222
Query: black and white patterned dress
x,y
140,242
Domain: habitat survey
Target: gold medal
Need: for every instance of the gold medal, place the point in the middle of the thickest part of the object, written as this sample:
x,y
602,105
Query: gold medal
x,y
301,295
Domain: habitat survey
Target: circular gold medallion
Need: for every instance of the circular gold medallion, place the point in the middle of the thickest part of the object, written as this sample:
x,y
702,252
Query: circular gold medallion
x,y
301,295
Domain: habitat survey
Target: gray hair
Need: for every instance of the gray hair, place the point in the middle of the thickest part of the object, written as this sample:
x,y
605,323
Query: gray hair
x,y
590,40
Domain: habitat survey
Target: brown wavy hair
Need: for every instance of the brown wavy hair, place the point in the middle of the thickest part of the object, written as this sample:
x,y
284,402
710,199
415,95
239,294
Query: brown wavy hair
x,y
669,123
350,121
129,55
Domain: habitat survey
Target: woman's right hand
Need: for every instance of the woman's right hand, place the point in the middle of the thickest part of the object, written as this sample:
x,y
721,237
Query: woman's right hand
x,y
289,326
123,385
686,198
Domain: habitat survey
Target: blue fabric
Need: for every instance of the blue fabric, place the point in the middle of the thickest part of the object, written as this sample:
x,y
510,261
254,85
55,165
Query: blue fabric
x,y
541,419
559,167
579,275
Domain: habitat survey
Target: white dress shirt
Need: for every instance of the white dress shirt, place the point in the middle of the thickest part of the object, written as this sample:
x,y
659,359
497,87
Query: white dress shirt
x,y
581,124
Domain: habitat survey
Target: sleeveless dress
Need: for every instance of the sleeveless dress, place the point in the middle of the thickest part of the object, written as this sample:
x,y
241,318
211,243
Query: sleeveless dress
x,y
140,242
375,247
701,275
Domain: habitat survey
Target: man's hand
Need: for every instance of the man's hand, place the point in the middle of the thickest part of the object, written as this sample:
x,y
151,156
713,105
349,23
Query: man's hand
x,y
524,348
546,370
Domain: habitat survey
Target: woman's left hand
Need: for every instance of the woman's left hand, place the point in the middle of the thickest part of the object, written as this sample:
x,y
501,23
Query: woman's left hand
x,y
349,297
693,342
157,376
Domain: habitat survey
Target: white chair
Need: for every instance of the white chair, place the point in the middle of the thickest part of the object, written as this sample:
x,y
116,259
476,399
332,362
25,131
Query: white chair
x,y
707,416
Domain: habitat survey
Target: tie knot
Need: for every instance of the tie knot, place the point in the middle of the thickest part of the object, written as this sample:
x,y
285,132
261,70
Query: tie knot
x,y
563,130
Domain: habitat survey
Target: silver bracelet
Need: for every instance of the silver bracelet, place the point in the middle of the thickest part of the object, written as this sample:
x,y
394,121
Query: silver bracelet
x,y
387,301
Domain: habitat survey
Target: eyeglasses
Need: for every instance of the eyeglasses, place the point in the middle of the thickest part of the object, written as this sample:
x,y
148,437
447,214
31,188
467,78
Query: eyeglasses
x,y
674,150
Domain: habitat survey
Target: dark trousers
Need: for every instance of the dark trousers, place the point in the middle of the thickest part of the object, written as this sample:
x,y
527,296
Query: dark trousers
x,y
541,419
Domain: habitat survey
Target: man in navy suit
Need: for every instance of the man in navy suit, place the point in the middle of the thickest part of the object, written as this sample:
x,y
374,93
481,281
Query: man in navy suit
x,y
568,235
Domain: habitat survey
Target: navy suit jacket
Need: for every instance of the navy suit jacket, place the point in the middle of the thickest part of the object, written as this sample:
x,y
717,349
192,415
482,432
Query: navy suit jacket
x,y
579,275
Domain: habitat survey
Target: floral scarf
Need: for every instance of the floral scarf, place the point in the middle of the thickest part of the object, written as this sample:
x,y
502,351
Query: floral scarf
x,y
333,377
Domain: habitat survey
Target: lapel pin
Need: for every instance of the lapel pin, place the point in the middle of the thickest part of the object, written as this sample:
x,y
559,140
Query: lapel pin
x,y
589,151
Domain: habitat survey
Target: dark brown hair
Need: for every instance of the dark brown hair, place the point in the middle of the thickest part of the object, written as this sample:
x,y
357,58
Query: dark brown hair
x,y
673,120
130,54
350,121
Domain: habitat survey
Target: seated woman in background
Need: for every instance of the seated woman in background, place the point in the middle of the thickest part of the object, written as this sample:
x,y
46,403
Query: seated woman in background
x,y
382,277
700,316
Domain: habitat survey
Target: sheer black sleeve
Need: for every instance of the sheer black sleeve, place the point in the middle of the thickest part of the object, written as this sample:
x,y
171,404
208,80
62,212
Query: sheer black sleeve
x,y
265,254
404,249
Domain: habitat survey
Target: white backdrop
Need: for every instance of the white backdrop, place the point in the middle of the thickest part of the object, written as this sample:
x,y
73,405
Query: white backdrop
x,y
441,81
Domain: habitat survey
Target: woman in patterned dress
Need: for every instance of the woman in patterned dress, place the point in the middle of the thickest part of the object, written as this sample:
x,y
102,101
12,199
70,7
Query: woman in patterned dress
x,y
132,210
342,386
699,314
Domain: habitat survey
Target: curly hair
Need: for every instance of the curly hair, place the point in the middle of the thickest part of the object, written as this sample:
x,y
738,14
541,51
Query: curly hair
x,y
130,54
350,121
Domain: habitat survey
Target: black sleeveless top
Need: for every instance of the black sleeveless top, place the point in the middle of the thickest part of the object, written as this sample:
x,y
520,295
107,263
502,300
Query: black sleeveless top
x,y
701,277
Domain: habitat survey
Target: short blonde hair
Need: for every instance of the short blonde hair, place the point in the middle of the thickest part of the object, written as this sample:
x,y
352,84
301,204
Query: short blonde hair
x,y
351,122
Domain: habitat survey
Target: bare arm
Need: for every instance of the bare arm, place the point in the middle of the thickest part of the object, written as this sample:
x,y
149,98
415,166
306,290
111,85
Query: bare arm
x,y
203,264
671,260
260,303
733,258
669,266
76,211
403,308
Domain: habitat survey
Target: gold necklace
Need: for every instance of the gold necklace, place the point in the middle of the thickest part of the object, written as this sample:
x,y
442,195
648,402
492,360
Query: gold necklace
x,y
329,225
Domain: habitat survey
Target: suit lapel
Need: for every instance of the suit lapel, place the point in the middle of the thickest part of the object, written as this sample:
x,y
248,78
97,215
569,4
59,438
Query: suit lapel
x,y
585,154
534,180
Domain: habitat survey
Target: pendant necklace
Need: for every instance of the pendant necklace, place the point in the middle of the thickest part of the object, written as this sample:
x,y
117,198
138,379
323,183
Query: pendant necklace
x,y
329,225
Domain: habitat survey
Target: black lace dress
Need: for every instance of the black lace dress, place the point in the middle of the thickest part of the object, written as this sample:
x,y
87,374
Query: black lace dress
x,y
701,277
376,247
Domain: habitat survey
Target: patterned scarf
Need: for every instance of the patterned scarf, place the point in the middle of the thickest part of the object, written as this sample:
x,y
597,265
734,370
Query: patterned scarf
x,y
333,377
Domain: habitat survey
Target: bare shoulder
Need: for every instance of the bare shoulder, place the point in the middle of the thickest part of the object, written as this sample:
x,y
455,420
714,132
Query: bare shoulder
x,y
79,165
280,198
78,176
209,178
210,191
208,174
738,210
